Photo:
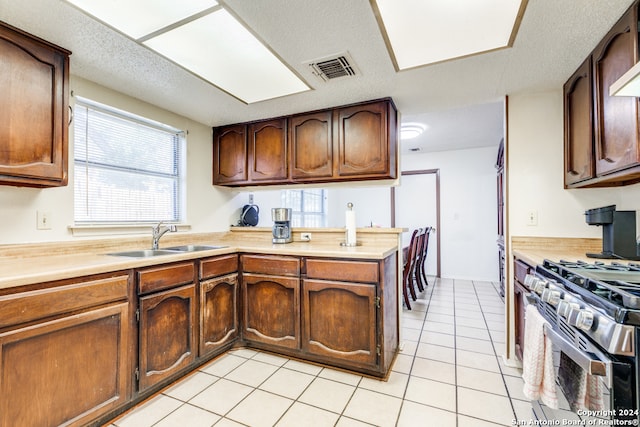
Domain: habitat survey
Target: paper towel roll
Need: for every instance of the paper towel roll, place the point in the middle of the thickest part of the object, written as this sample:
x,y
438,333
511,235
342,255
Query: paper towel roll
x,y
350,224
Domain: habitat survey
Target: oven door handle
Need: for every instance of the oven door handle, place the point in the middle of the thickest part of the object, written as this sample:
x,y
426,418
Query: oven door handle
x,y
591,365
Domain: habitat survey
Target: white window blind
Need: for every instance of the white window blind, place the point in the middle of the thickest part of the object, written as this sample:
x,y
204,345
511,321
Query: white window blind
x,y
308,207
127,168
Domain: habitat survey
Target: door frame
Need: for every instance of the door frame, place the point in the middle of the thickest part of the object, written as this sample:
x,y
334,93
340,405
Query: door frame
x,y
435,172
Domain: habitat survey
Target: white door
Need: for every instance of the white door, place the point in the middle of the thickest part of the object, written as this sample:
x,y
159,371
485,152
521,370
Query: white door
x,y
416,207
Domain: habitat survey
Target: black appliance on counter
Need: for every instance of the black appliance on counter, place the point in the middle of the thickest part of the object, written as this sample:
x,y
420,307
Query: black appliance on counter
x,y
618,232
594,315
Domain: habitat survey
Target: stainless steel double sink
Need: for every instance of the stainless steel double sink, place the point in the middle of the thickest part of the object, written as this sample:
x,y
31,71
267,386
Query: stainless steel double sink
x,y
146,253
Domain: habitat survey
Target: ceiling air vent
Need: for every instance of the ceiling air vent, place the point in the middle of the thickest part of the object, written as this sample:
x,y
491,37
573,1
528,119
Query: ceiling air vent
x,y
334,67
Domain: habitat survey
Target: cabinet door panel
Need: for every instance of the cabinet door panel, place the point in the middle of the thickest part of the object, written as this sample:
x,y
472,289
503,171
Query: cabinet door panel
x,y
364,144
33,120
271,310
617,116
311,140
578,131
167,334
268,151
340,321
67,371
218,313
230,155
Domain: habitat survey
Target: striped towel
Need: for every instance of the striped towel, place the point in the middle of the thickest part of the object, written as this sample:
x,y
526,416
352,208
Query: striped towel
x,y
537,360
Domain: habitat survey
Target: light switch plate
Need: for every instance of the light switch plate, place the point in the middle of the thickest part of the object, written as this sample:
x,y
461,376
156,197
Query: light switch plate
x,y
532,218
43,220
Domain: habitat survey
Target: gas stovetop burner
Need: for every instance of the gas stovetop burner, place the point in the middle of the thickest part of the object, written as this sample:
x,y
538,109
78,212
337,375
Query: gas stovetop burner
x,y
614,287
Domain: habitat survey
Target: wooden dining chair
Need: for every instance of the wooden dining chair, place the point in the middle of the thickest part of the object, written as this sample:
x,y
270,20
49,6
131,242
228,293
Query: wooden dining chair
x,y
418,278
409,269
421,269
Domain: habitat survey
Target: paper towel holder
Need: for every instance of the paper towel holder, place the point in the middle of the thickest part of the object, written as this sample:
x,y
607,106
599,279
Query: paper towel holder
x,y
350,215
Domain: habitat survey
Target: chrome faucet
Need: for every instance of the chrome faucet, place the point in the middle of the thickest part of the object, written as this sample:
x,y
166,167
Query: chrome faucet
x,y
159,231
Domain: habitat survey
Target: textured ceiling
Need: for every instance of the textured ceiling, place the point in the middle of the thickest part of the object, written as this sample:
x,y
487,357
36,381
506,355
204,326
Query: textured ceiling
x,y
554,37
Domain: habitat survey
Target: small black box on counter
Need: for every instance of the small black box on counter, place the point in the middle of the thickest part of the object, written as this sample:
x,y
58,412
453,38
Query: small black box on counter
x,y
618,232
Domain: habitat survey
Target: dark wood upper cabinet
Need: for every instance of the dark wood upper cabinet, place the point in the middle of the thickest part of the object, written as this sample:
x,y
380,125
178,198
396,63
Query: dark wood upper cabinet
x,y
34,110
616,123
578,129
356,142
311,141
601,131
268,156
365,146
230,155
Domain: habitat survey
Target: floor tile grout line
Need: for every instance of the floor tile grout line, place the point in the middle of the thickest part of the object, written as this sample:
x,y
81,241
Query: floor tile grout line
x,y
413,359
513,409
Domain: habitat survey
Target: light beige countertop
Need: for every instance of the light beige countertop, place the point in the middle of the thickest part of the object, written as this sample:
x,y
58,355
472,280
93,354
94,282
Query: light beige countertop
x,y
28,264
534,250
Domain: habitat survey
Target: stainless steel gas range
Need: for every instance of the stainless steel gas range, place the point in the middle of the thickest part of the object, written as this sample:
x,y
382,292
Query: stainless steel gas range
x,y
593,315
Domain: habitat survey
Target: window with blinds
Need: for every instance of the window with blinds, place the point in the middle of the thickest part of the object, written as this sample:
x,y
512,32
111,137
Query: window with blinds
x,y
308,207
128,169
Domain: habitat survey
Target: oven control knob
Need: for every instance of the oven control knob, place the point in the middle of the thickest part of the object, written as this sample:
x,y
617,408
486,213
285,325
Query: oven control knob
x,y
565,307
551,296
529,278
539,287
584,320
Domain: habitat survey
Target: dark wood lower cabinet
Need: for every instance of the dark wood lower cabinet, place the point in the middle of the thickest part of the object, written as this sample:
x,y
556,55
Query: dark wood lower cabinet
x,y
271,312
520,290
70,350
168,340
218,313
340,321
65,371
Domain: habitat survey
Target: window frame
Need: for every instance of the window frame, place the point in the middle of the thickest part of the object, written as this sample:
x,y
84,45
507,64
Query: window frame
x,y
178,207
302,217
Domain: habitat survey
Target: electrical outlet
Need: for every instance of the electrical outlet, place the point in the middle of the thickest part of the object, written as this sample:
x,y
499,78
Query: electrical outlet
x,y
43,220
532,218
305,237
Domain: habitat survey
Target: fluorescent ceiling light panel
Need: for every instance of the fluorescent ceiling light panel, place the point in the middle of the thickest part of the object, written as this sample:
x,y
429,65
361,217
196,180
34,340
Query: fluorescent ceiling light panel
x,y
220,50
137,18
422,32
205,39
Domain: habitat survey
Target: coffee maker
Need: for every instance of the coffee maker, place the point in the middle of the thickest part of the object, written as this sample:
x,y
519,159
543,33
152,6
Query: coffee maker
x,y
618,232
281,225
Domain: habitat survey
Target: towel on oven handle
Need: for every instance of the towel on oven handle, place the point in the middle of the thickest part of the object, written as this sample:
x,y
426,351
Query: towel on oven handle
x,y
538,372
582,390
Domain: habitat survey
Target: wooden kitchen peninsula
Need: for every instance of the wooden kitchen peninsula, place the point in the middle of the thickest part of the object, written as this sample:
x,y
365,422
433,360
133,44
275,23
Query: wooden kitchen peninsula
x,y
139,324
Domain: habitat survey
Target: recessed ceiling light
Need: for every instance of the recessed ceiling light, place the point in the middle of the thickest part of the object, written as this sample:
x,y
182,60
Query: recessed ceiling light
x,y
429,31
411,130
205,39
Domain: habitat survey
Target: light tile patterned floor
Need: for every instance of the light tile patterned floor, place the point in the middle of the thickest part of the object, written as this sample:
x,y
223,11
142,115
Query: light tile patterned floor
x,y
449,374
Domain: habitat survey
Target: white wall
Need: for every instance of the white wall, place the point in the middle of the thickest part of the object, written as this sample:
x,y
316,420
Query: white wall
x,y
208,208
535,167
468,216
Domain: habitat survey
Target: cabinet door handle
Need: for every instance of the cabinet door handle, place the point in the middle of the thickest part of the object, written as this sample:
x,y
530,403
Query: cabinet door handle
x,y
70,115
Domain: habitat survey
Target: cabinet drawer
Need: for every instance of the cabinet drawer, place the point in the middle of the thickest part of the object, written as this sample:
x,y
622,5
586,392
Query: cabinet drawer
x,y
270,264
33,305
218,266
158,278
346,271
521,269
